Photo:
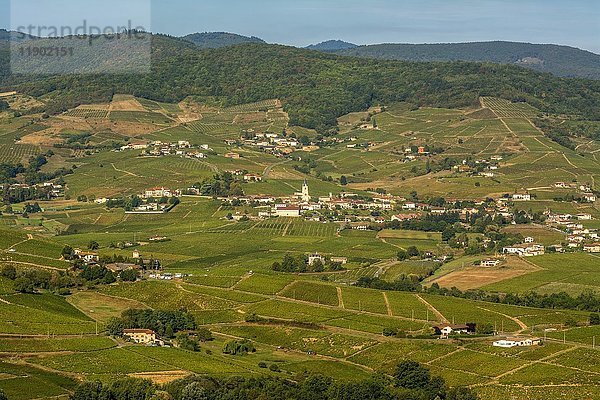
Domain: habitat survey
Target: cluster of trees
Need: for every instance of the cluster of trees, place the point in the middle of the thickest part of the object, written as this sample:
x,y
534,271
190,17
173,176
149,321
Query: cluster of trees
x,y
427,223
299,264
221,185
239,347
316,88
191,341
130,203
586,301
164,323
30,280
555,132
403,284
31,175
306,165
76,141
410,380
19,194
62,282
9,171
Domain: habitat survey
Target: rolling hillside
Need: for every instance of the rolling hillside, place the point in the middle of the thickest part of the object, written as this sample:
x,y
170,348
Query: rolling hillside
x,y
316,87
558,60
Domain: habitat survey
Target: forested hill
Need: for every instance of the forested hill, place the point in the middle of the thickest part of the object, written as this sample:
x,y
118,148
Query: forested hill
x,y
215,40
558,60
315,87
332,45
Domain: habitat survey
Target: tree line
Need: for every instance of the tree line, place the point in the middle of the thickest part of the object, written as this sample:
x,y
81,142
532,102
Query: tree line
x,y
586,301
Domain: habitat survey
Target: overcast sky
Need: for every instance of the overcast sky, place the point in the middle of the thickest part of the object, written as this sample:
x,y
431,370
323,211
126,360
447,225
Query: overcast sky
x,y
302,22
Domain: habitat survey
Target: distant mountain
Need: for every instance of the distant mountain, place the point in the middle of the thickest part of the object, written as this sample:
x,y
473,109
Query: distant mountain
x,y
215,40
558,60
332,45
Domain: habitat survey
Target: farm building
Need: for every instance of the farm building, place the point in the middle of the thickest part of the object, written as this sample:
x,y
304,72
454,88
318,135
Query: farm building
x,y
360,226
87,256
449,329
234,156
490,263
589,197
252,178
158,192
313,258
521,197
140,336
592,248
287,211
517,342
525,250
341,260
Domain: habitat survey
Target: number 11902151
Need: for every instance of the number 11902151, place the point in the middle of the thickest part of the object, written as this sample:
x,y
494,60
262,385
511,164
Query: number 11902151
x,y
45,51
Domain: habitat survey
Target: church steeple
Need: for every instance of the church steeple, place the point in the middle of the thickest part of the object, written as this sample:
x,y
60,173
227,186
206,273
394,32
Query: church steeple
x,y
305,192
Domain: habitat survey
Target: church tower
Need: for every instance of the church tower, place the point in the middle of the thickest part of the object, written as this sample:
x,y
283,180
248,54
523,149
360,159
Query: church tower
x,y
305,192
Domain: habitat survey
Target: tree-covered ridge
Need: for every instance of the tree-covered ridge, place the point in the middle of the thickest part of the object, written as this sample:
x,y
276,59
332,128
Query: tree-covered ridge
x,y
215,40
316,88
332,45
558,60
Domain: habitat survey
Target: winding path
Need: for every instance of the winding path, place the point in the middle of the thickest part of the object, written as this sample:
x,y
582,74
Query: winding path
x,y
439,315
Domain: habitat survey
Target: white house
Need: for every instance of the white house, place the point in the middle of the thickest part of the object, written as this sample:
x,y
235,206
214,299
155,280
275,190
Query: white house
x,y
313,258
410,206
446,330
521,197
525,250
589,197
341,260
158,192
87,256
490,263
517,342
140,336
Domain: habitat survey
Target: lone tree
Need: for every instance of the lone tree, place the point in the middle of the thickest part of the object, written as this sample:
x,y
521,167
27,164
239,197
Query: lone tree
x,y
402,255
411,375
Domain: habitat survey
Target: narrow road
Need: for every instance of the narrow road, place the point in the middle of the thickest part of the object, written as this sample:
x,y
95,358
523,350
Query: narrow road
x,y
514,319
387,304
125,172
340,297
269,168
439,315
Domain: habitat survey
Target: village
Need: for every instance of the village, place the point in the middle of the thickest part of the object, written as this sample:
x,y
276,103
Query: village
x,y
378,211
161,149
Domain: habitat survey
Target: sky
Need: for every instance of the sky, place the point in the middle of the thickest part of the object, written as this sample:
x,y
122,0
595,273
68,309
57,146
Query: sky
x,y
303,22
